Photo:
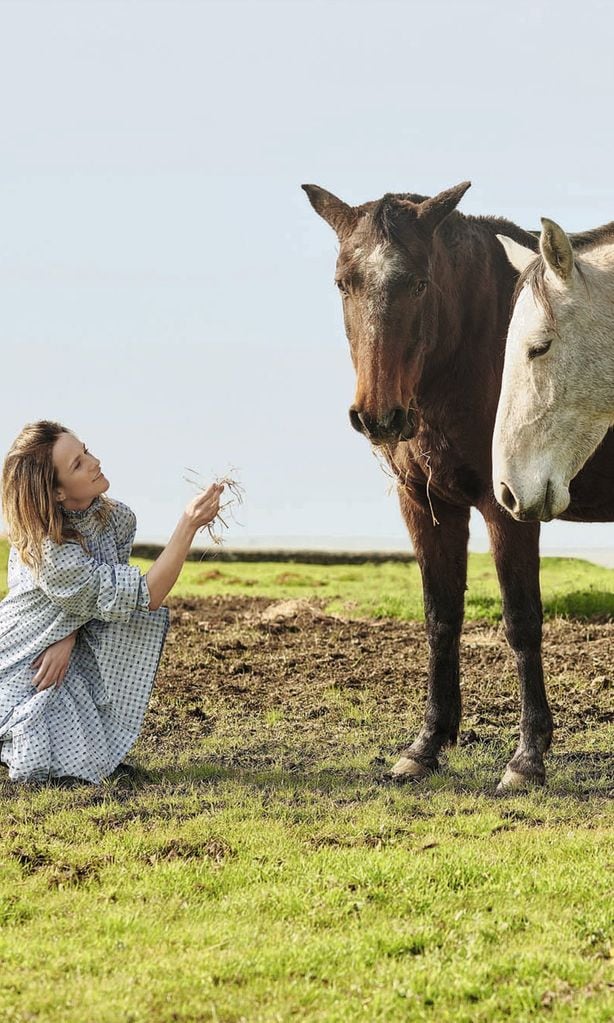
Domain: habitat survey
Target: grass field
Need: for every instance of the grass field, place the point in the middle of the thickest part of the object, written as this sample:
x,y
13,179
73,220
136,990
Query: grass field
x,y
262,871
394,589
389,590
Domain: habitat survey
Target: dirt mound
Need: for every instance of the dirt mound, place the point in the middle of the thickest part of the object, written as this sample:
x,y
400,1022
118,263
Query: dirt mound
x,y
289,610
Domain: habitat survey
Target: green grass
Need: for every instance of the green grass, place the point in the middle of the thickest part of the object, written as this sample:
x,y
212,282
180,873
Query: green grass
x,y
212,892
570,586
392,590
235,896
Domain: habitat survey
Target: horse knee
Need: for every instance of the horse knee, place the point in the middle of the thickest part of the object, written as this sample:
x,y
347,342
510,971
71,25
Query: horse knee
x,y
524,631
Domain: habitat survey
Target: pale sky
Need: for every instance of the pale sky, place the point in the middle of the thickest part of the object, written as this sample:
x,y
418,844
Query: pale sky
x,y
166,289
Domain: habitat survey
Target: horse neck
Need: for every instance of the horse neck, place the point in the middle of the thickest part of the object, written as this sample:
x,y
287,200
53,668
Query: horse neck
x,y
466,323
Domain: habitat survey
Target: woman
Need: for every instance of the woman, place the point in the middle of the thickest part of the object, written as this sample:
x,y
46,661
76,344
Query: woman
x,y
81,630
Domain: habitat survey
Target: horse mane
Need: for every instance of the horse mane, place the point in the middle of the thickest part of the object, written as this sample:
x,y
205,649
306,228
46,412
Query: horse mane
x,y
596,236
535,276
535,273
386,217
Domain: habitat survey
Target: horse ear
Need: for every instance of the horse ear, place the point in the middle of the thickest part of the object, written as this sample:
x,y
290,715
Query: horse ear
x,y
518,255
433,211
555,247
341,217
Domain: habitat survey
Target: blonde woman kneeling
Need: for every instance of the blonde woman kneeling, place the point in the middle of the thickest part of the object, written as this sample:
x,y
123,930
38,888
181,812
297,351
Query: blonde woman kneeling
x,y
81,630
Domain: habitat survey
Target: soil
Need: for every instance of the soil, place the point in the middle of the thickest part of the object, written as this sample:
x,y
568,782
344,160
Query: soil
x,y
285,684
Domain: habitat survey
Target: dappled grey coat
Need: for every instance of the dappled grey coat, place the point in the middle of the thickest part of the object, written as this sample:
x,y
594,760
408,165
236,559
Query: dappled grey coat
x,y
85,726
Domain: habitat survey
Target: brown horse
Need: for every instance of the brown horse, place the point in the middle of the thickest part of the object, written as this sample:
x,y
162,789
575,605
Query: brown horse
x,y
426,298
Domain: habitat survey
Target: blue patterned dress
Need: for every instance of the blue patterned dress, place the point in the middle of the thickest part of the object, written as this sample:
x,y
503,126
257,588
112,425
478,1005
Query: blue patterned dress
x,y
85,726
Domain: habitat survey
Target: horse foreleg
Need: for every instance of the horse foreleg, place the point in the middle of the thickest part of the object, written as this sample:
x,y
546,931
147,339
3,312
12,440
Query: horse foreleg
x,y
515,548
441,552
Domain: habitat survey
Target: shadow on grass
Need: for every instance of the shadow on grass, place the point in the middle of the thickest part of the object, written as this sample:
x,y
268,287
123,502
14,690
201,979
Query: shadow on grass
x,y
581,604
597,605
582,775
585,768
578,775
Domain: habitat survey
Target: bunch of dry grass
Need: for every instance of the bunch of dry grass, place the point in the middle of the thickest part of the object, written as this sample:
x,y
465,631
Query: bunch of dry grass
x,y
398,475
218,525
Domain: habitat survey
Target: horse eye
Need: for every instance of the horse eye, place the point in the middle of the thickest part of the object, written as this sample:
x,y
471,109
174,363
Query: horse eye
x,y
420,287
538,350
343,288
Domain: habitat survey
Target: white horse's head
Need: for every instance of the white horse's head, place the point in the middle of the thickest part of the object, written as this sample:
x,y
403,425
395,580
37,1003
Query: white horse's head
x,y
557,395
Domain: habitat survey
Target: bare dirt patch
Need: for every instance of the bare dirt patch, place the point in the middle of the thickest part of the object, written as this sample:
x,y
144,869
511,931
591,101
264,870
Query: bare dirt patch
x,y
294,683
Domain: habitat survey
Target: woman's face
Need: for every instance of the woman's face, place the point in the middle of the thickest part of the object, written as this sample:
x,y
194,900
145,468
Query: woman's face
x,y
78,474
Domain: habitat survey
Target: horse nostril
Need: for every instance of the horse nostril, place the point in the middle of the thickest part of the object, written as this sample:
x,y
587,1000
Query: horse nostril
x,y
393,423
355,420
411,425
369,424
507,498
397,420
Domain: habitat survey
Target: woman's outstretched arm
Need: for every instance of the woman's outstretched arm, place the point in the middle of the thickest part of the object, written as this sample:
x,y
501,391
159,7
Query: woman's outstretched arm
x,y
165,570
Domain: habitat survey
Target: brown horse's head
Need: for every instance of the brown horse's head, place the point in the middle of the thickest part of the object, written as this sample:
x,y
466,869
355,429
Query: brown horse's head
x,y
384,274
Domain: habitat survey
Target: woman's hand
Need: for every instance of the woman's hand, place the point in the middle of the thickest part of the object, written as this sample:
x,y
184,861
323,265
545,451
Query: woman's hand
x,y
53,663
203,509
165,570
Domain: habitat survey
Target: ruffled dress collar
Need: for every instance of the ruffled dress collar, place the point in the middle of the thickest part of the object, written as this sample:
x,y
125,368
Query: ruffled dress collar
x,y
87,520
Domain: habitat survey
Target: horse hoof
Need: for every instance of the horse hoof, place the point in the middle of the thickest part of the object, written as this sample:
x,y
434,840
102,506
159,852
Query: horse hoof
x,y
407,769
514,781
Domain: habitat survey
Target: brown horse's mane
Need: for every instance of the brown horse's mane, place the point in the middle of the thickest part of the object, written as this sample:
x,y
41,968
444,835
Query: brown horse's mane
x,y
386,217
596,236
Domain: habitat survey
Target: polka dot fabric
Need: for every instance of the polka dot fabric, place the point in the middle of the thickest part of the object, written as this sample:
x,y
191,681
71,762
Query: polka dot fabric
x,y
85,726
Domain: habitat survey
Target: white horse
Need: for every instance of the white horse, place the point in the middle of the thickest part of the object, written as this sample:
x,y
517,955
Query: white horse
x,y
557,395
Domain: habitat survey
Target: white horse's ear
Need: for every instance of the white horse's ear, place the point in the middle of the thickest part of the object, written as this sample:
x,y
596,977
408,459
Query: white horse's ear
x,y
555,247
519,255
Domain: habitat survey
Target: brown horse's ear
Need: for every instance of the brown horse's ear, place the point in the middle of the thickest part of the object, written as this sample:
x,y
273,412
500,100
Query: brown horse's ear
x,y
555,247
341,217
433,211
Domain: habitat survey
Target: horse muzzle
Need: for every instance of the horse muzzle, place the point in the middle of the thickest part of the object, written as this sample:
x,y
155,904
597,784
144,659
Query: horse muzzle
x,y
396,425
547,503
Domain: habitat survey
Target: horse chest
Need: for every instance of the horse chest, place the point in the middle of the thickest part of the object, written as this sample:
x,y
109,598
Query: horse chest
x,y
448,471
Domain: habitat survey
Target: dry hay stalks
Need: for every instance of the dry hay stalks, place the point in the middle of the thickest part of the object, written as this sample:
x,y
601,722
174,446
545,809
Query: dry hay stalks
x,y
394,472
216,527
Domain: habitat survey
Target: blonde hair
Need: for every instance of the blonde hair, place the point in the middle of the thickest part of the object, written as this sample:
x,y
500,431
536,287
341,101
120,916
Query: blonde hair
x,y
30,508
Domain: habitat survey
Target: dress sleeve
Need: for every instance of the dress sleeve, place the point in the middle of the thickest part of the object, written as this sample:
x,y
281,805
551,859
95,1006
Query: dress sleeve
x,y
124,524
84,588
